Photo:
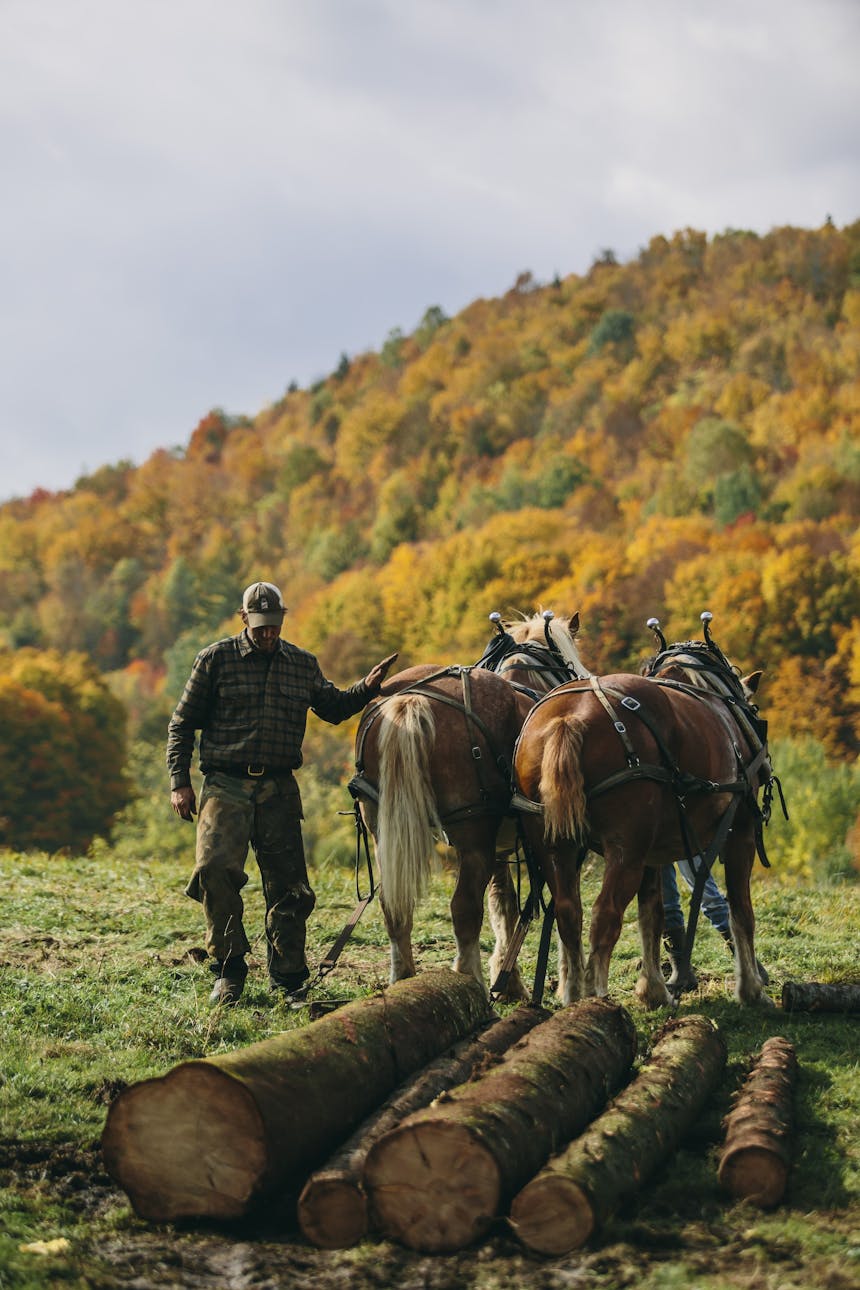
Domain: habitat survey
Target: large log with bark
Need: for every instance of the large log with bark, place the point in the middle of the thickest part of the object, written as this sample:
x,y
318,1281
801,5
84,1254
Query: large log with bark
x,y
211,1137
437,1181
332,1207
559,1209
816,996
756,1156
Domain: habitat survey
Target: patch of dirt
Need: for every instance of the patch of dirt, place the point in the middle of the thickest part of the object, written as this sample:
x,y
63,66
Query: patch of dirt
x,y
113,1250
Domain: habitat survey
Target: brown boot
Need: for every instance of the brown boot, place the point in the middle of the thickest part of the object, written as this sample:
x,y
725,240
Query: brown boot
x,y
673,943
231,982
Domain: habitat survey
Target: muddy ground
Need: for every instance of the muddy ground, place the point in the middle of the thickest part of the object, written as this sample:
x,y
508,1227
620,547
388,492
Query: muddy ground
x,y
654,1243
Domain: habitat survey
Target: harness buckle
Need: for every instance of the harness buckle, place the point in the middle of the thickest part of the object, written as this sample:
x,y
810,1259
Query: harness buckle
x,y
629,702
255,771
620,727
476,753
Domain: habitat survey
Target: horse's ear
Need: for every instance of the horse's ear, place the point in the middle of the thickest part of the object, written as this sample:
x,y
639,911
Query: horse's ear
x,y
751,682
573,623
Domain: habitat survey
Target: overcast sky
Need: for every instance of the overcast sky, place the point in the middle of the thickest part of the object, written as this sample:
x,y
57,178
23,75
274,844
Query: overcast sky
x,y
203,200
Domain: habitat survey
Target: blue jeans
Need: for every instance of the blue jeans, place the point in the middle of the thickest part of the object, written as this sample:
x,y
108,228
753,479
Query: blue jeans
x,y
715,907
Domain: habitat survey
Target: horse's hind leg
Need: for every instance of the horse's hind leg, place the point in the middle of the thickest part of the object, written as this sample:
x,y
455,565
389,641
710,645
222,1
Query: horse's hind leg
x,y
738,860
651,989
504,916
399,933
564,872
400,938
623,876
476,857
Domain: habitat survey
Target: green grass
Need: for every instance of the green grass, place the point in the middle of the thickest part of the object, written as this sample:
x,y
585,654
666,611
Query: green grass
x,y
99,987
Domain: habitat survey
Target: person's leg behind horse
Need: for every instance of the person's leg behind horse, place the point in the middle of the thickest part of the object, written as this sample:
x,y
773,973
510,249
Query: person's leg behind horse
x,y
715,907
279,848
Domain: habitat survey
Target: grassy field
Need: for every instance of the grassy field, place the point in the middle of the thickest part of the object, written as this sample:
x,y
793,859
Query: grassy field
x,y
100,985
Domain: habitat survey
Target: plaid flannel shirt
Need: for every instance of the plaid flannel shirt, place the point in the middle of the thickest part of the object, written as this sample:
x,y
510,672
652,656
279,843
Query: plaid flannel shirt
x,y
251,707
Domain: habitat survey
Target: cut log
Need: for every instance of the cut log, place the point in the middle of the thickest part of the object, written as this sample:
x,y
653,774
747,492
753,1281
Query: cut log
x,y
211,1137
563,1205
332,1207
756,1157
436,1182
814,996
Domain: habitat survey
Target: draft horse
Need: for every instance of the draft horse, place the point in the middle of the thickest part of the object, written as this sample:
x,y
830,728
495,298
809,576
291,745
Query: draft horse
x,y
645,770
434,757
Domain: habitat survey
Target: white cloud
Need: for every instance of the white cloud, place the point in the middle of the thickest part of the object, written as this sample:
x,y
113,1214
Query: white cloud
x,y
204,200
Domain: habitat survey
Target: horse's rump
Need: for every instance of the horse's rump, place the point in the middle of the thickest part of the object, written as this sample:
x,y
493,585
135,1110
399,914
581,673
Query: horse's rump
x,y
657,730
438,744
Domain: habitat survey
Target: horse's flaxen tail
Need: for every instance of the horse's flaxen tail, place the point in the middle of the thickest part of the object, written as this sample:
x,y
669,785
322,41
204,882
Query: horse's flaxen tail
x,y
407,815
562,789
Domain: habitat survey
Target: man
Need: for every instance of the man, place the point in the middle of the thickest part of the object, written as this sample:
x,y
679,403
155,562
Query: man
x,y
249,696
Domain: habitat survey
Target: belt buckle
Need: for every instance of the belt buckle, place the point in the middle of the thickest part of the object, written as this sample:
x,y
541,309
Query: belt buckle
x,y
255,774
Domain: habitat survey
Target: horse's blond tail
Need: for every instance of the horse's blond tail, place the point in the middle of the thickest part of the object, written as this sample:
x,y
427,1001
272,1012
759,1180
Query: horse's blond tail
x,y
562,789
407,815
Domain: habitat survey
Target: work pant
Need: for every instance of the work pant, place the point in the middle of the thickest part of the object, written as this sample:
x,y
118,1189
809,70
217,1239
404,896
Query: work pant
x,y
266,813
715,907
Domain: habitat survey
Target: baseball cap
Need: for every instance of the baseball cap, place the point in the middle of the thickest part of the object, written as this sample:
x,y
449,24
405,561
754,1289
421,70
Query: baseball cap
x,y
264,605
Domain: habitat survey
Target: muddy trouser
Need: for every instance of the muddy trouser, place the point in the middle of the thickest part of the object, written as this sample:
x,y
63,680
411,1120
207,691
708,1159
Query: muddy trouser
x,y
266,813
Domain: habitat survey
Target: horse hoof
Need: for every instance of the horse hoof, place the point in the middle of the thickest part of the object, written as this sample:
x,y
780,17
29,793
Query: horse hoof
x,y
651,996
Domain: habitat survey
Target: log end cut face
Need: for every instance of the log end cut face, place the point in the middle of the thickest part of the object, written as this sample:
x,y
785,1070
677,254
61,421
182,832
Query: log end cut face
x,y
756,1174
332,1212
552,1215
189,1144
432,1186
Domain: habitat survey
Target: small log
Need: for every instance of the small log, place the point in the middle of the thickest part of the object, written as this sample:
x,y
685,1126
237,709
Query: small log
x,y
436,1182
210,1137
332,1208
564,1204
756,1157
814,996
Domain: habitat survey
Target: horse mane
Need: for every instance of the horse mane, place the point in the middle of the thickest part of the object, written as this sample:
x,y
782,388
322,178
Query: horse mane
x,y
703,666
532,629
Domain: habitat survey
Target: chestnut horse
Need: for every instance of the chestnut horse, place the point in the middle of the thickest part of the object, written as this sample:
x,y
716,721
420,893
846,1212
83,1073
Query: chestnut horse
x,y
434,755
644,770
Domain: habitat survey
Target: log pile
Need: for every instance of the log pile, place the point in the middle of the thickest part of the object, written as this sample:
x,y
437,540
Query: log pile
x,y
212,1136
436,1182
332,1208
814,996
756,1157
560,1208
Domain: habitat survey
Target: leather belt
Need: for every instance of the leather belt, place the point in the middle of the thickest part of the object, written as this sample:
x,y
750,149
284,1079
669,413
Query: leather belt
x,y
251,770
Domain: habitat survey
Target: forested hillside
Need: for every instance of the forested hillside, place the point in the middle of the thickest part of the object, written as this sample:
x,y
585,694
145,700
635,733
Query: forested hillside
x,y
676,433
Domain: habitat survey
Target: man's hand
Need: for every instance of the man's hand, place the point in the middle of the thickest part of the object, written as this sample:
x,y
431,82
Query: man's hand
x,y
184,802
377,674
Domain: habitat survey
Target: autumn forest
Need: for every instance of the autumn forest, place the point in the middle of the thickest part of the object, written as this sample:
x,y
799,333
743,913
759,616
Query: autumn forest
x,y
675,433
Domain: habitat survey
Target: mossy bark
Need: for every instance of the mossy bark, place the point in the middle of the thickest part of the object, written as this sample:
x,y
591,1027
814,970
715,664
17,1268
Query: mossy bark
x,y
436,1182
815,996
332,1207
756,1158
562,1206
211,1136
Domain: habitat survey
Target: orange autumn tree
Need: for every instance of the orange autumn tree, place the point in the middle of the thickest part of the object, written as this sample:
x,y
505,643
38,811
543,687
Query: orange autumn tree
x,y
62,749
